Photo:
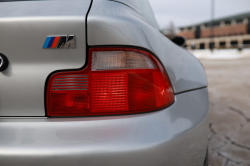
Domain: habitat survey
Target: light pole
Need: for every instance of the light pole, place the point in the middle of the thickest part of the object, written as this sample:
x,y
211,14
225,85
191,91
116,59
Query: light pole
x,y
211,45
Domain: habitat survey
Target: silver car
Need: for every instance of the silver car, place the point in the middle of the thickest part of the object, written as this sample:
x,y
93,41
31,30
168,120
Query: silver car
x,y
94,82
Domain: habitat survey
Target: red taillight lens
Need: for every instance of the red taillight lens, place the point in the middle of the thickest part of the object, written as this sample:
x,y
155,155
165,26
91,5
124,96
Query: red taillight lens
x,y
116,81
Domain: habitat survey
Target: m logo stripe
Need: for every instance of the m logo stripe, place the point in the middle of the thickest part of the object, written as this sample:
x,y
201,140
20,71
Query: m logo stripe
x,y
46,42
51,42
55,42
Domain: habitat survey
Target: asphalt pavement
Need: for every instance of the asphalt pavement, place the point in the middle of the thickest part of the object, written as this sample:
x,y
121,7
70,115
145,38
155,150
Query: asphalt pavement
x,y
229,94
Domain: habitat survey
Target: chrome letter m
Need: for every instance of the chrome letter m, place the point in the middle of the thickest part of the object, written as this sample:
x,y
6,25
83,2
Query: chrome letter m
x,y
67,42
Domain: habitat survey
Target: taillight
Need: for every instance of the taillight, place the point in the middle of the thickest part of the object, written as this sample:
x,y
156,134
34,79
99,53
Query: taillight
x,y
115,81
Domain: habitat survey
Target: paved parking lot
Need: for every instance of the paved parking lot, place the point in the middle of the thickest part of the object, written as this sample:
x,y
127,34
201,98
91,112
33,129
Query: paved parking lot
x,y
229,92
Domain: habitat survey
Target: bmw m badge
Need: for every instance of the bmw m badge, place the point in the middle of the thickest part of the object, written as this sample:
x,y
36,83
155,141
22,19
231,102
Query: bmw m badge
x,y
60,42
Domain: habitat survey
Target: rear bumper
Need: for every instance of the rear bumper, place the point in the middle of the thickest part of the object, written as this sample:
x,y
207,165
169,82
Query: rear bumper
x,y
175,136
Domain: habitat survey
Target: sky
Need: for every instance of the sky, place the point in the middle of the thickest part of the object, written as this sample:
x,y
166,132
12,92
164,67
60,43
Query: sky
x,y
188,12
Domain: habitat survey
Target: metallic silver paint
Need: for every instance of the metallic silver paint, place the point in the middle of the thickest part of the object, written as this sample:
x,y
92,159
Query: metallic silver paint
x,y
131,3
174,136
24,28
112,23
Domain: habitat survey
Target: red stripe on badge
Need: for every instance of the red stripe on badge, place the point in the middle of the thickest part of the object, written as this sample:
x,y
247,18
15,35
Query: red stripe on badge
x,y
55,42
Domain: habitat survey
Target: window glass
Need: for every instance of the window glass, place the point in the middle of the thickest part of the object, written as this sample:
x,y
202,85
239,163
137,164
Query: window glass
x,y
147,13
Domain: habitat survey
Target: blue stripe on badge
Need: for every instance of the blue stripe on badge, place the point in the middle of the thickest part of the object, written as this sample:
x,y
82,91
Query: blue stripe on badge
x,y
51,42
47,42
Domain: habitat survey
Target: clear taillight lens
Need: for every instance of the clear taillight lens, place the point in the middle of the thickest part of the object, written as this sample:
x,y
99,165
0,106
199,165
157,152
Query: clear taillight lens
x,y
116,81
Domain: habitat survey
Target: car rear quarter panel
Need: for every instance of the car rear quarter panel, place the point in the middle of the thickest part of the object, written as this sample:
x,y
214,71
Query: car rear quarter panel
x,y
111,23
163,137
24,26
174,136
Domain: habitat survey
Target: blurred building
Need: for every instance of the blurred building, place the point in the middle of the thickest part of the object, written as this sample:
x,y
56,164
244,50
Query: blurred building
x,y
228,32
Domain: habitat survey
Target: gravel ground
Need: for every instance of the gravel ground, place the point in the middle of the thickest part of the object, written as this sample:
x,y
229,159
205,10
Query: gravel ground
x,y
229,93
